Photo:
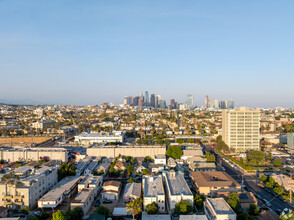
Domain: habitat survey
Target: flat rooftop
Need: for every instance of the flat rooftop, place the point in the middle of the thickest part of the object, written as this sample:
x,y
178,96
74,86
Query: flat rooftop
x,y
153,186
177,184
126,146
220,206
83,196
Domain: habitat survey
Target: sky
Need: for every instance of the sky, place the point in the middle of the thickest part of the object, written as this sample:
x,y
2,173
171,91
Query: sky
x,y
88,52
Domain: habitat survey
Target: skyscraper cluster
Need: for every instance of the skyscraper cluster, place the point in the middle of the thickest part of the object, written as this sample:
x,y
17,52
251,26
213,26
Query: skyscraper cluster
x,y
218,104
154,101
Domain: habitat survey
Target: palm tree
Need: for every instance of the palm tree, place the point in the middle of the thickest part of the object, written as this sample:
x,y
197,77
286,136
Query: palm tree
x,y
135,207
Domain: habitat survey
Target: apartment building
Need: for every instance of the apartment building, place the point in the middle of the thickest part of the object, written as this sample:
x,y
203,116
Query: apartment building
x,y
12,154
84,199
218,209
177,188
126,150
132,192
25,190
61,192
209,183
240,128
154,192
93,182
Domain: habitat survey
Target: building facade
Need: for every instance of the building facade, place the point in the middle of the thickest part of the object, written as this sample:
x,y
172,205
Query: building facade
x,y
240,128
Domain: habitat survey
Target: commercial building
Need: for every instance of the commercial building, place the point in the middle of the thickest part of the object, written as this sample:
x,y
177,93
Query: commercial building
x,y
177,188
154,192
126,150
160,159
96,137
240,128
25,190
12,154
218,209
209,183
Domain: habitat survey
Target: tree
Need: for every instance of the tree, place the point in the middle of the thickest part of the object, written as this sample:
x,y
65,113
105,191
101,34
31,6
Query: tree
x,y
148,159
253,209
279,190
287,216
234,201
191,140
180,141
66,169
77,213
145,171
58,215
270,183
277,163
174,152
199,199
103,210
183,207
152,208
135,207
131,180
256,155
263,178
210,157
130,169
269,155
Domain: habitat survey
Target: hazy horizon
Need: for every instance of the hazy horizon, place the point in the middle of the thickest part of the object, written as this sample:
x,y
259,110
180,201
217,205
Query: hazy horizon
x,y
88,52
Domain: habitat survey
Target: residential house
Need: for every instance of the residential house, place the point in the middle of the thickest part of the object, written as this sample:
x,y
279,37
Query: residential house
x,y
111,190
218,209
171,162
132,192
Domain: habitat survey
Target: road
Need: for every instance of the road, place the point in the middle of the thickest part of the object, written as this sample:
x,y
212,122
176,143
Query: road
x,y
250,181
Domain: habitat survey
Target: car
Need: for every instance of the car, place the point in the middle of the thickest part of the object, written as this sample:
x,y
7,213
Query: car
x,y
267,202
107,201
223,169
97,203
258,196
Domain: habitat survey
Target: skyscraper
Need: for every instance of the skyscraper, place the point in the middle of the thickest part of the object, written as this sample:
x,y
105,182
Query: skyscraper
x,y
141,101
136,101
190,101
146,100
172,103
152,100
240,128
206,101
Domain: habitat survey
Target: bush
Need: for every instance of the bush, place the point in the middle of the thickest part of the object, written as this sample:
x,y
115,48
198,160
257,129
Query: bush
x,y
183,207
152,208
103,210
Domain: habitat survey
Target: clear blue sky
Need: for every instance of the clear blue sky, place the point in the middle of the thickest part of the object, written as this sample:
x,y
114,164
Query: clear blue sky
x,y
87,52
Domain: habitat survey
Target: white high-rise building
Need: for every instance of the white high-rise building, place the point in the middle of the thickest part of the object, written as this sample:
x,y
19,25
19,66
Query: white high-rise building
x,y
240,128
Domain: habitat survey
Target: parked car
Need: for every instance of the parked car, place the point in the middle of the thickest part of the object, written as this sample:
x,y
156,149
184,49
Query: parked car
x,y
107,201
97,203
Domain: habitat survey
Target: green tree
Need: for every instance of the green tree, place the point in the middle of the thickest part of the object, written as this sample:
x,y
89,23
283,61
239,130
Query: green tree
x,y
130,169
183,207
234,201
263,178
270,183
152,208
174,152
148,159
66,169
180,141
131,180
287,216
58,215
135,207
145,171
199,199
103,210
191,140
253,209
76,214
256,155
279,190
277,163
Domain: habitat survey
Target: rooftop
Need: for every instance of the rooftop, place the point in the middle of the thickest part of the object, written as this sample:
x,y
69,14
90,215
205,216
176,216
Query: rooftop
x,y
153,186
177,184
133,189
83,196
213,179
220,206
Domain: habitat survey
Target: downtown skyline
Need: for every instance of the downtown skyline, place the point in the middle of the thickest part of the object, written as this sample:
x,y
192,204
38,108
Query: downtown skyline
x,y
86,53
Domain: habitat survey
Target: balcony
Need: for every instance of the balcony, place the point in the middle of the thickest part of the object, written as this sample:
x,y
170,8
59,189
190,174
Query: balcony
x,y
7,203
18,203
7,197
18,197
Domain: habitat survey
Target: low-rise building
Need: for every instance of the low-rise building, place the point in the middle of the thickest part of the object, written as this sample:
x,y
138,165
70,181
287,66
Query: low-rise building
x,y
245,198
111,190
209,183
177,188
171,162
61,192
88,139
202,167
218,209
154,192
84,199
91,182
91,167
19,192
132,192
160,159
